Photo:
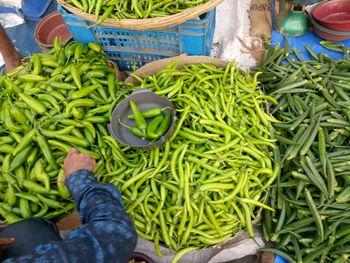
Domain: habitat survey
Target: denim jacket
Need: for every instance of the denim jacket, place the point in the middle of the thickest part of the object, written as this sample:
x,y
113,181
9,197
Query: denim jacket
x,y
107,233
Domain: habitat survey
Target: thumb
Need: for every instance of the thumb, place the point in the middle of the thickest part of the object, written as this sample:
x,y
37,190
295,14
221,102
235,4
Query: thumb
x,y
6,241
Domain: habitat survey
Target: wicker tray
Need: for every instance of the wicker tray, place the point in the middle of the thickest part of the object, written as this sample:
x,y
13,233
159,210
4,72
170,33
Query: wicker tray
x,y
147,23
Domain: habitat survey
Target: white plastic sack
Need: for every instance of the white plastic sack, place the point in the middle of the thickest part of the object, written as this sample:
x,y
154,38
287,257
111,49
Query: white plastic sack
x,y
232,39
10,19
11,3
237,247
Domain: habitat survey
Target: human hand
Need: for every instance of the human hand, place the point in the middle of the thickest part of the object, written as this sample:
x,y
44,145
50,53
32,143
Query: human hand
x,y
76,160
13,62
4,242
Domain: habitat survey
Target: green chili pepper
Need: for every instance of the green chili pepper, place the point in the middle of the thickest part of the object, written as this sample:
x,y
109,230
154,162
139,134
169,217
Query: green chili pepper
x,y
165,124
45,148
74,140
41,174
80,103
32,157
7,148
153,127
78,113
51,100
34,187
9,217
97,119
9,124
49,202
139,119
76,75
31,77
135,130
34,104
94,46
111,85
25,208
150,113
107,12
60,85
84,92
37,64
6,139
63,147
21,157
18,115
65,130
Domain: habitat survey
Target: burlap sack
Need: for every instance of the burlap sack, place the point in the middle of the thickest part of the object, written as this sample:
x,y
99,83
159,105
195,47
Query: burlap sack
x,y
260,29
260,18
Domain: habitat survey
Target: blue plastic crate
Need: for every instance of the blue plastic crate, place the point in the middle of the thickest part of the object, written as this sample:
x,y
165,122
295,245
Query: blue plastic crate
x,y
130,47
31,9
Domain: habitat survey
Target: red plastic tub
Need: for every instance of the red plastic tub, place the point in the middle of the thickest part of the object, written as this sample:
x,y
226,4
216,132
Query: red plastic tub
x,y
48,28
333,15
326,33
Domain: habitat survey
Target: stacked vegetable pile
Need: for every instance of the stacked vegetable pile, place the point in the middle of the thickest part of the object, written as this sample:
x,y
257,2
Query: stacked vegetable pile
x,y
131,9
200,188
57,101
311,219
209,179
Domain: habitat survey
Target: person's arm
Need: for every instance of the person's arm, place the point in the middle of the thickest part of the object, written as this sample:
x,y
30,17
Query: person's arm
x,y
11,56
108,234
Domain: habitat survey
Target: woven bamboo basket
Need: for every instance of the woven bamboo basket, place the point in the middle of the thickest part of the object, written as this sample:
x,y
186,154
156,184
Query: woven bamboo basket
x,y
147,23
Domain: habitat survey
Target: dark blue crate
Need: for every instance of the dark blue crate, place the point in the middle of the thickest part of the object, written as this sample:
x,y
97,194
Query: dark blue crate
x,y
130,48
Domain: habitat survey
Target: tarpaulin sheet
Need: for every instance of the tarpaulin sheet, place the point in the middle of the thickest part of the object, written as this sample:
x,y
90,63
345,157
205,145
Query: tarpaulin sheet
x,y
309,38
23,38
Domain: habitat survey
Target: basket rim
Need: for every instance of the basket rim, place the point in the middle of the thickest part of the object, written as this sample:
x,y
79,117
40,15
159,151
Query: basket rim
x,y
147,23
183,59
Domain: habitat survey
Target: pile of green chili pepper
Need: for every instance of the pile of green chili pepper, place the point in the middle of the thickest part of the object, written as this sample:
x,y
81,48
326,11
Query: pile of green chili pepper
x,y
155,128
311,197
209,179
58,100
133,9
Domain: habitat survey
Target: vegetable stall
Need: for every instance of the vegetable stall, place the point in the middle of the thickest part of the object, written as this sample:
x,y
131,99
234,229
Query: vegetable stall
x,y
263,151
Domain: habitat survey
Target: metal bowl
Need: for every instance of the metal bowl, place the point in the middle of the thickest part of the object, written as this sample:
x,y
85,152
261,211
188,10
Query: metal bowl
x,y
144,99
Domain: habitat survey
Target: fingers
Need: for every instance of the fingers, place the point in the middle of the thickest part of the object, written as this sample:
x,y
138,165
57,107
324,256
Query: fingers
x,y
6,241
76,160
72,151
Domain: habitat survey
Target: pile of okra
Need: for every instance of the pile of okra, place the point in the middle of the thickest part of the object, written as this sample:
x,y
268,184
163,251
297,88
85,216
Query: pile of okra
x,y
56,101
311,197
210,179
133,9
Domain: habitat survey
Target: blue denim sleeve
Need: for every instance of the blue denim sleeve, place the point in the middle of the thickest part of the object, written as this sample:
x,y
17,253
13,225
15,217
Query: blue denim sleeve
x,y
107,234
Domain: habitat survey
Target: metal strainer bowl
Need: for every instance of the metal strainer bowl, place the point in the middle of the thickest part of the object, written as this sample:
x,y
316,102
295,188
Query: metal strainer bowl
x,y
144,99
